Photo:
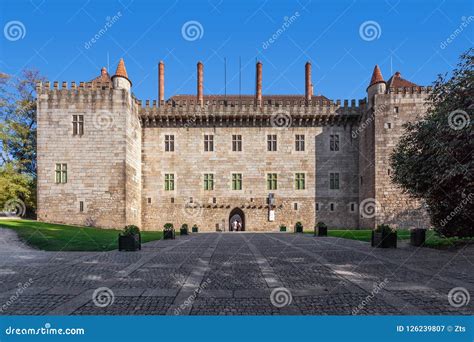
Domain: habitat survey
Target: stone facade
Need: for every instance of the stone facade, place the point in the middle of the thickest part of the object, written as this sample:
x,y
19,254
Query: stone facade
x,y
116,167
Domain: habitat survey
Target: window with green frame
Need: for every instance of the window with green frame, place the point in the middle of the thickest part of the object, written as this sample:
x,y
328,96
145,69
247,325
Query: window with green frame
x,y
236,181
208,181
61,173
169,181
300,181
334,181
272,181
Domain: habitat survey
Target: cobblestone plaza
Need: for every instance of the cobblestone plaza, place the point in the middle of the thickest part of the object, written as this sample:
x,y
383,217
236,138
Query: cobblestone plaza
x,y
235,274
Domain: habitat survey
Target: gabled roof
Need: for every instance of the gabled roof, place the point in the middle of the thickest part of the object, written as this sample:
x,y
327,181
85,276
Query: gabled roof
x,y
396,81
104,76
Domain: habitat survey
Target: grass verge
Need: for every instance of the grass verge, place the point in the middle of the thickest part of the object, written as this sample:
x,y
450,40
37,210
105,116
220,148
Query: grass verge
x,y
59,237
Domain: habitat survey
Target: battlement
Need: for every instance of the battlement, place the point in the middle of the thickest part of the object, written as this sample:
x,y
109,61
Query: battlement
x,y
183,111
410,90
46,86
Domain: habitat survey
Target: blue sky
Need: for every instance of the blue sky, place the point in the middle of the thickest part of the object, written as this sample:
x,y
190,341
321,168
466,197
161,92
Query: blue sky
x,y
409,36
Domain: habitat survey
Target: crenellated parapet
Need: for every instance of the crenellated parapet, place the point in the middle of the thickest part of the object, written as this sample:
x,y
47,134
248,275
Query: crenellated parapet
x,y
61,94
188,112
418,90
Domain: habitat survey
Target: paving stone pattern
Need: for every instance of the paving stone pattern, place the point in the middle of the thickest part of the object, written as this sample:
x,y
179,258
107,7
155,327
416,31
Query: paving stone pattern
x,y
236,274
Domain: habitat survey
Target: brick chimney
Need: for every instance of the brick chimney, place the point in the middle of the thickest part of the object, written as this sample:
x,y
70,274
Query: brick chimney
x,y
200,96
308,84
161,83
259,84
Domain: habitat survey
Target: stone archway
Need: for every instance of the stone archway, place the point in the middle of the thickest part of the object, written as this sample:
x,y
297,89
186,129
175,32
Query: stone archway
x,y
237,215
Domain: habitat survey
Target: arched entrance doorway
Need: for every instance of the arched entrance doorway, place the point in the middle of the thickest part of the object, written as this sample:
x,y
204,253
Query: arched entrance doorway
x,y
237,215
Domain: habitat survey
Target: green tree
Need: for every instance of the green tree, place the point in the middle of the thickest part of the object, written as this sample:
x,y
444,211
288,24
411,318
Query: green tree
x,y
433,160
18,138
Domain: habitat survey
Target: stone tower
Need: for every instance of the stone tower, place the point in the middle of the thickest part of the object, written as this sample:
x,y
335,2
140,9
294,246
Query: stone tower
x,y
390,105
89,160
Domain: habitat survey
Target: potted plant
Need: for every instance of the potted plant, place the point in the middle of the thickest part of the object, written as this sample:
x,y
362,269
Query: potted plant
x,y
195,228
168,231
298,227
384,237
417,236
322,229
282,228
184,229
130,239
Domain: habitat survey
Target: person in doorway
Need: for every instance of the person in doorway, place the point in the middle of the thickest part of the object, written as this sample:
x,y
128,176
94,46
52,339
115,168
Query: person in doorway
x,y
239,226
234,226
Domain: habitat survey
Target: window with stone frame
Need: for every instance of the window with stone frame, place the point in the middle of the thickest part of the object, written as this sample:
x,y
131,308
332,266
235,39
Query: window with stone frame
x,y
61,173
169,181
208,181
334,142
299,142
78,125
208,142
169,143
236,181
272,181
236,143
334,180
300,181
271,142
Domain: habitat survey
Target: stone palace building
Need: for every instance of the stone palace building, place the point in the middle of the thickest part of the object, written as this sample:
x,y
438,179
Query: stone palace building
x,y
107,159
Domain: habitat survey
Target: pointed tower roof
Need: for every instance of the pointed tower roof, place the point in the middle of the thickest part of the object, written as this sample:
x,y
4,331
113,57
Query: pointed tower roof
x,y
376,76
121,70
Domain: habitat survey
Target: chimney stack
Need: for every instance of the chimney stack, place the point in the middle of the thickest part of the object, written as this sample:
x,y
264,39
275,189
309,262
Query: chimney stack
x,y
161,83
259,84
308,84
200,96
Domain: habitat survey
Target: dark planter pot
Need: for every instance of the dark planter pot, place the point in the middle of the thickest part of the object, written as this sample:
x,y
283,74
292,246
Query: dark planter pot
x,y
323,231
384,240
417,237
195,230
168,234
130,243
183,231
298,229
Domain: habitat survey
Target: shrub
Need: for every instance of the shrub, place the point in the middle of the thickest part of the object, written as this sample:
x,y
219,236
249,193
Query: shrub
x,y
282,228
184,226
299,226
321,225
385,229
168,226
195,227
130,230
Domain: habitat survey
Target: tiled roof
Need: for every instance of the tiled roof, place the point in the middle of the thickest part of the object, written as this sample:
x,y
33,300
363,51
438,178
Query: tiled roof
x,y
376,76
272,98
103,77
396,81
121,70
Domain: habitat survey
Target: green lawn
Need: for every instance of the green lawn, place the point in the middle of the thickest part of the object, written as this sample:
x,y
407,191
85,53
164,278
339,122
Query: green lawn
x,y
58,237
432,239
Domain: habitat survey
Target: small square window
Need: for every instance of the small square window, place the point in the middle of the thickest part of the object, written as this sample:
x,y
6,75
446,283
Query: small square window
x,y
331,206
149,200
317,206
236,143
214,200
81,206
299,142
395,109
295,205
388,125
352,207
208,143
172,199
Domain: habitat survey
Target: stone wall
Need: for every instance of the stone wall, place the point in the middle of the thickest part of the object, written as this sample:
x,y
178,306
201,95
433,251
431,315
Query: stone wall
x,y
95,161
395,207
